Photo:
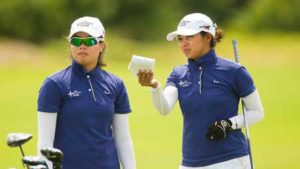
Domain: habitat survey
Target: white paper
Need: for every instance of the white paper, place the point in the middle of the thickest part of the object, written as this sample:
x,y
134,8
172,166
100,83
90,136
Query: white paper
x,y
140,63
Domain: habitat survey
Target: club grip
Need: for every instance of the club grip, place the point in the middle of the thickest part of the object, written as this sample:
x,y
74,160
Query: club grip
x,y
235,50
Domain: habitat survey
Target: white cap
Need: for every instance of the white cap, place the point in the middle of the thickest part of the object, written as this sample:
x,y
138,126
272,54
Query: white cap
x,y
89,25
192,24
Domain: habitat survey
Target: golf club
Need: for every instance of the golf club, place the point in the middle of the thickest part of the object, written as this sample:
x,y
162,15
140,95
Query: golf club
x,y
38,167
237,60
17,140
34,161
54,155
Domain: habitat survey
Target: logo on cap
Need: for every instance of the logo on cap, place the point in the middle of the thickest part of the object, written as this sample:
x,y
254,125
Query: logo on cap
x,y
183,23
84,24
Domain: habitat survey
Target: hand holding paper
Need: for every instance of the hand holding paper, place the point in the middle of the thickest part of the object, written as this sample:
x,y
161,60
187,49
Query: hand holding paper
x,y
143,67
138,63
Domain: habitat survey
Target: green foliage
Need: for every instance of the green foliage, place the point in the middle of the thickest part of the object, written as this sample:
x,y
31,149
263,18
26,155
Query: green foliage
x,y
271,15
219,10
37,20
146,20
41,20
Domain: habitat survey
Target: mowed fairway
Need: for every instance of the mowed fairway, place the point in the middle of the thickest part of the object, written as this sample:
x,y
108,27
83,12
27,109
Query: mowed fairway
x,y
272,60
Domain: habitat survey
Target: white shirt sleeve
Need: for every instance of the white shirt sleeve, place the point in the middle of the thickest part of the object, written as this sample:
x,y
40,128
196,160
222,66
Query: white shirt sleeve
x,y
253,109
164,101
123,141
46,132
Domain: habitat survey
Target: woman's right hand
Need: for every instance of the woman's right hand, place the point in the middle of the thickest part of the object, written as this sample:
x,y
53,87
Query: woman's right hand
x,y
146,78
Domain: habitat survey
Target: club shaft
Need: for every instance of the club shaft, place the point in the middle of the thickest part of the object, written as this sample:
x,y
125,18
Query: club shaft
x,y
247,136
22,151
235,50
23,154
237,60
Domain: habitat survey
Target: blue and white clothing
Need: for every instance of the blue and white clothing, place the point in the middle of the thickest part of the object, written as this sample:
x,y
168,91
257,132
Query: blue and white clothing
x,y
209,89
86,103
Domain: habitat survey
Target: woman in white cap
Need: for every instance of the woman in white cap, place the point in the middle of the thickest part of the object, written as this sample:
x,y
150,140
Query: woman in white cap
x,y
83,110
208,89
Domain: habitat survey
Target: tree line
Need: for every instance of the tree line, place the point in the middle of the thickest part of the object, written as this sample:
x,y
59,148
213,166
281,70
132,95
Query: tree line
x,y
39,20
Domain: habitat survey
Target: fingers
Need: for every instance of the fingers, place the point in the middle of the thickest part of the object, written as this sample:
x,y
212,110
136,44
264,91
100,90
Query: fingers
x,y
145,77
142,76
215,132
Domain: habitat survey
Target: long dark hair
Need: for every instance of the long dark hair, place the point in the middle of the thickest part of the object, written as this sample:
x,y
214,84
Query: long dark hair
x,y
101,55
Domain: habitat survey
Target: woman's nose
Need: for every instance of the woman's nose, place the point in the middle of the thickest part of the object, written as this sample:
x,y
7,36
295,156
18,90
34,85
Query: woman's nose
x,y
82,46
183,42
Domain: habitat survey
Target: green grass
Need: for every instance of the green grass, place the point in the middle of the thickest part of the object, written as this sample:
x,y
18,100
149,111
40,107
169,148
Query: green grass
x,y
272,61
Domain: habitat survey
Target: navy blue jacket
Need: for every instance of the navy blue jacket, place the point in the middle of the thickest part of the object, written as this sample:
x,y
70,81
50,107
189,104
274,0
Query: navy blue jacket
x,y
85,102
209,89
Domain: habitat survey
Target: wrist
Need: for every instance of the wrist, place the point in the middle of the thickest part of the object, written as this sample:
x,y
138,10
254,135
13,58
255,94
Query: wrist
x,y
155,90
154,83
229,122
228,125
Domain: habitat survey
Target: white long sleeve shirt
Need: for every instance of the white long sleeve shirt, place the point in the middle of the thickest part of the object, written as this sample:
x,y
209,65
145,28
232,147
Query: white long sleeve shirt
x,y
164,102
46,135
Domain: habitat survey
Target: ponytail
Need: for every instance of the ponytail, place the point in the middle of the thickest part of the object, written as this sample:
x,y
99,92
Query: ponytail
x,y
219,35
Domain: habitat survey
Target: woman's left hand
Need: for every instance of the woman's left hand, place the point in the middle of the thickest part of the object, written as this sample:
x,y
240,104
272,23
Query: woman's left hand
x,y
146,78
219,130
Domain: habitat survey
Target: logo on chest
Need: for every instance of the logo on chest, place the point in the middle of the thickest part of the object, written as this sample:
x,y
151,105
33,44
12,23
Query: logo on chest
x,y
107,92
184,83
216,81
74,93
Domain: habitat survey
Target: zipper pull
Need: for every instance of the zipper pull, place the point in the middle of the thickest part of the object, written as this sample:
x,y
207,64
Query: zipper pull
x,y
91,87
200,80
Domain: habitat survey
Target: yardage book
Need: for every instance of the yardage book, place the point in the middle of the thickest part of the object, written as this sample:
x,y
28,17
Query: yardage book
x,y
140,63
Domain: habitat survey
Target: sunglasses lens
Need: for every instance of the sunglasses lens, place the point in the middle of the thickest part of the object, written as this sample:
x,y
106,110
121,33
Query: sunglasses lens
x,y
76,41
86,41
90,41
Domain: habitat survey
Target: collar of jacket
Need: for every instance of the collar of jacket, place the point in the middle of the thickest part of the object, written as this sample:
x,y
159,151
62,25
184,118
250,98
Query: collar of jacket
x,y
207,59
81,71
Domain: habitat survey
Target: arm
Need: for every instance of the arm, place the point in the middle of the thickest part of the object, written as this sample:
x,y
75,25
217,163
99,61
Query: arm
x,y
46,132
254,111
123,141
164,101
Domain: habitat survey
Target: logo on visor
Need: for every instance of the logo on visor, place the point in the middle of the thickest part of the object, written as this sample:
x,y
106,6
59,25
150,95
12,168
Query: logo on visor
x,y
183,23
84,24
75,93
184,83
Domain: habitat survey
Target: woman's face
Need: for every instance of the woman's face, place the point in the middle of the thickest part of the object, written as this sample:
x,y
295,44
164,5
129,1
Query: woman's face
x,y
86,55
194,46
